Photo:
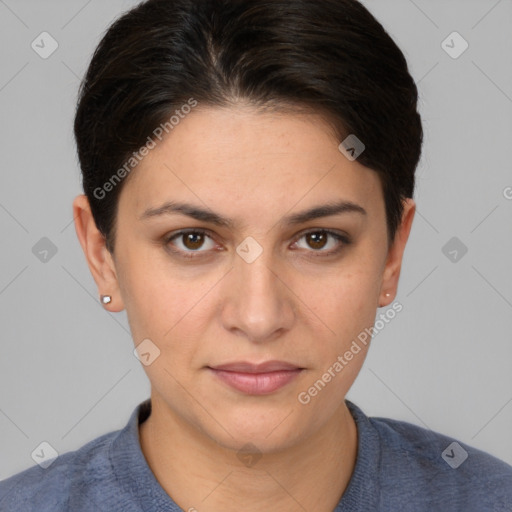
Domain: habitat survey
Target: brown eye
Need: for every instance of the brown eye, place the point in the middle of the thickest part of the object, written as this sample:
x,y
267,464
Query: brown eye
x,y
189,242
193,241
318,240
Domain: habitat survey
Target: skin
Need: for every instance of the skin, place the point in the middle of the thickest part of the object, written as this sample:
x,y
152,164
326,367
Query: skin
x,y
291,304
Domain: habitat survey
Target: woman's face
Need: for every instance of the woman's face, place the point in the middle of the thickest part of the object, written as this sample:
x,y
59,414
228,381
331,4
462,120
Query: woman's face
x,y
258,288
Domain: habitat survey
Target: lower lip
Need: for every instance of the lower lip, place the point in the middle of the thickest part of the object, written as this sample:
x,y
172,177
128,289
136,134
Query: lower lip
x,y
257,383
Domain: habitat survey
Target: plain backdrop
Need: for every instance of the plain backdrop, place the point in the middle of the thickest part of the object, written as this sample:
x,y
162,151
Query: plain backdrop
x,y
67,369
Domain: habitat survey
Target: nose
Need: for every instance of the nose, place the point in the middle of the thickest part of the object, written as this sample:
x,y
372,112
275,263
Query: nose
x,y
260,302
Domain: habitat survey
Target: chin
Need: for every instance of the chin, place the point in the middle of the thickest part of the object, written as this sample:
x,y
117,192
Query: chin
x,y
267,432
259,443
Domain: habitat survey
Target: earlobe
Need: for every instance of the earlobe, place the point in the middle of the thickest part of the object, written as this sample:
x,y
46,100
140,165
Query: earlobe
x,y
394,260
98,258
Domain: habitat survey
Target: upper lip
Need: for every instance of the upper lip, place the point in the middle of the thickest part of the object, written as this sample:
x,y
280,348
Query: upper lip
x,y
246,367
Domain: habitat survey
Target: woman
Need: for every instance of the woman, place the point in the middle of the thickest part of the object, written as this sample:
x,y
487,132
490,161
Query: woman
x,y
248,169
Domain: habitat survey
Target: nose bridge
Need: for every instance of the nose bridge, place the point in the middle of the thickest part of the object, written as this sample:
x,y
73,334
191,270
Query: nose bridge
x,y
257,282
260,304
258,276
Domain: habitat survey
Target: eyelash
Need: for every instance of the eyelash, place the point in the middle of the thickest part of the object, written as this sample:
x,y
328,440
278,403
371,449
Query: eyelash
x,y
344,240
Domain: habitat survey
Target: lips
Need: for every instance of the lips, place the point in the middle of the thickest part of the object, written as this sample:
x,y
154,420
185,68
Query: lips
x,y
266,367
256,379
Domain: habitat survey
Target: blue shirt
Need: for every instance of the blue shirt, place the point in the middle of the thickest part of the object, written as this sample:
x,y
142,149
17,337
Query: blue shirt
x,y
399,467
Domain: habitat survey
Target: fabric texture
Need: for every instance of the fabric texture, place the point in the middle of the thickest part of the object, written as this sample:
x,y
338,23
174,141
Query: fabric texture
x,y
399,467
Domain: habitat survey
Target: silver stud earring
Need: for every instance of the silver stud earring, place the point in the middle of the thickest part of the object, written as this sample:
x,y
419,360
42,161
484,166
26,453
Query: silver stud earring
x,y
388,294
106,299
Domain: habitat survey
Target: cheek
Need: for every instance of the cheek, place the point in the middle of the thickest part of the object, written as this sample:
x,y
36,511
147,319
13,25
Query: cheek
x,y
153,301
160,309
348,308
348,304
168,307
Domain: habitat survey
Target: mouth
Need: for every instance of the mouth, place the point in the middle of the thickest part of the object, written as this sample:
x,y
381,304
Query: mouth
x,y
256,379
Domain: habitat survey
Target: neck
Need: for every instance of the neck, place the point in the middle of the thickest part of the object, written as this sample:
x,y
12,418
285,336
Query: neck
x,y
200,475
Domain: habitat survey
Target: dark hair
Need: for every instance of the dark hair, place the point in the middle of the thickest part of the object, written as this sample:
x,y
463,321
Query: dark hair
x,y
327,56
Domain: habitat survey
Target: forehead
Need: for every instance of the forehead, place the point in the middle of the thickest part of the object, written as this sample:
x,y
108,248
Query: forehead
x,y
221,156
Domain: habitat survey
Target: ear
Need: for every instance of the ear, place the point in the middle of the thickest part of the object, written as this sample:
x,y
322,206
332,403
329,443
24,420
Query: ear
x,y
100,261
393,265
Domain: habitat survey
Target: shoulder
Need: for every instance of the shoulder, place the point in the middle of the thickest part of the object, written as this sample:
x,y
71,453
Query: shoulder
x,y
50,489
439,470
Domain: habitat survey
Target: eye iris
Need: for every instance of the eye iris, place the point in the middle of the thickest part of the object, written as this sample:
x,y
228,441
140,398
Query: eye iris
x,y
316,237
192,238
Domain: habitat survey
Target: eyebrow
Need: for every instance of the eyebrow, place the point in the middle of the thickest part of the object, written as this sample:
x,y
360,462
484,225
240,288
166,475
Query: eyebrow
x,y
326,210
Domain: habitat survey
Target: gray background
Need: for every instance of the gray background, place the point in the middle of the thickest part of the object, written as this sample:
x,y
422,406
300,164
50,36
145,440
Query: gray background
x,y
67,370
